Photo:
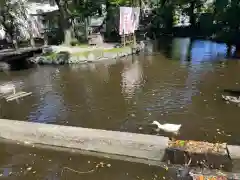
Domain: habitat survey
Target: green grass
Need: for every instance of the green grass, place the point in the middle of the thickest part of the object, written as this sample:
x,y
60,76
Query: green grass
x,y
96,52
51,55
77,44
81,53
116,49
99,51
82,45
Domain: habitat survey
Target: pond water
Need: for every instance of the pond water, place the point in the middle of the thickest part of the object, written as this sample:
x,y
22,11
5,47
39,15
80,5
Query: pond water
x,y
181,82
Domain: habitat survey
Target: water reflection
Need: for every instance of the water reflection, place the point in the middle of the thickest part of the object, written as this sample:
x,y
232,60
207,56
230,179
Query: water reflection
x,y
41,164
198,51
48,109
50,102
101,70
7,172
132,77
206,51
180,48
195,56
126,95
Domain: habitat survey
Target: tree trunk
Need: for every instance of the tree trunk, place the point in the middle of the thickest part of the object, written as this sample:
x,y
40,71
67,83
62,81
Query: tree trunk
x,y
10,32
67,36
86,27
15,42
67,30
65,24
192,15
229,50
13,38
30,31
45,38
32,41
108,24
189,51
237,51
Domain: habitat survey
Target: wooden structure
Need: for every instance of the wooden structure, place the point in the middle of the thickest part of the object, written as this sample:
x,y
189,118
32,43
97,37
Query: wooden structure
x,y
127,39
17,95
95,39
96,31
9,55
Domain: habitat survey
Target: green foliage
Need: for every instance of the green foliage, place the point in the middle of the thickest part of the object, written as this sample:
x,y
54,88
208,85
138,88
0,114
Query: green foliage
x,y
226,13
210,19
219,18
13,17
163,16
120,2
84,8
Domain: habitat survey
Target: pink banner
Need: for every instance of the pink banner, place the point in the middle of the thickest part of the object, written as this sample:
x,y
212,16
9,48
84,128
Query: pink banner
x,y
129,18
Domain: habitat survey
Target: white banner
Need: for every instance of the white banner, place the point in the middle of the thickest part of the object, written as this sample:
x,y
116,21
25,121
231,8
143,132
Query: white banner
x,y
129,20
135,18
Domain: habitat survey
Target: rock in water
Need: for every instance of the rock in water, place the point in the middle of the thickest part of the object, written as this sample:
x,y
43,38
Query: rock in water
x,y
4,66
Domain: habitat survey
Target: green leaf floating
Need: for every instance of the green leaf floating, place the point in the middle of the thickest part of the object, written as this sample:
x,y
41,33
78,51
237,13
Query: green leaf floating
x,y
182,143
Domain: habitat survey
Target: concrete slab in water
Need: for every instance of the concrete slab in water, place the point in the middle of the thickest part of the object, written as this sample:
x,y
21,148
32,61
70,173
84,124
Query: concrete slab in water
x,y
132,147
234,151
111,142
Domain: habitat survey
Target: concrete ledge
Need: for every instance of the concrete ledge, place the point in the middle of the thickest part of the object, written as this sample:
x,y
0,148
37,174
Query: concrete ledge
x,y
147,149
110,142
234,151
176,171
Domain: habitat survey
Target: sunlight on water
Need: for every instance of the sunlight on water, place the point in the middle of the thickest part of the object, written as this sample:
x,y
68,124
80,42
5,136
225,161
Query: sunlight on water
x,y
200,51
132,77
126,95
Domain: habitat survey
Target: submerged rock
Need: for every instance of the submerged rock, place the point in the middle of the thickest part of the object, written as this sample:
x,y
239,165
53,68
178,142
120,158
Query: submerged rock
x,y
47,60
47,50
73,60
61,58
4,66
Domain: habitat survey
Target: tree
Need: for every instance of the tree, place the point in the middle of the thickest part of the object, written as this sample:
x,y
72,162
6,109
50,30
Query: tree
x,y
192,8
85,9
75,8
13,17
228,24
65,24
163,17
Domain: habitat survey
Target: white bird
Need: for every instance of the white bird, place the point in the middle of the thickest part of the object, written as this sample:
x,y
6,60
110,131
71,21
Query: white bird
x,y
231,98
172,128
7,88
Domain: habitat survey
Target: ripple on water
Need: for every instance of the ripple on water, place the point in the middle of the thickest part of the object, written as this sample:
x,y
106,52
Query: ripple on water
x,y
125,95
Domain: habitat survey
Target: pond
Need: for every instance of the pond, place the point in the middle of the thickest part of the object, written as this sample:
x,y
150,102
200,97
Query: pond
x,y
177,83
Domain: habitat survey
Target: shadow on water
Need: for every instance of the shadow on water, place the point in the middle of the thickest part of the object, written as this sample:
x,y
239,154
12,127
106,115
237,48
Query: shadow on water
x,y
180,84
16,65
30,163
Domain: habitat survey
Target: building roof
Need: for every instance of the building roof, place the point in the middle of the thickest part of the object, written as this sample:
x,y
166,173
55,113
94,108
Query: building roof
x,y
96,21
39,8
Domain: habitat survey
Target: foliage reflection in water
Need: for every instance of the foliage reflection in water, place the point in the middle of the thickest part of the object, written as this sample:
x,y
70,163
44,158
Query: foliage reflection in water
x,y
126,95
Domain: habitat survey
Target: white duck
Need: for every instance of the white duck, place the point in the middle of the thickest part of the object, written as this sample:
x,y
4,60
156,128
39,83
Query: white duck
x,y
172,128
7,88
